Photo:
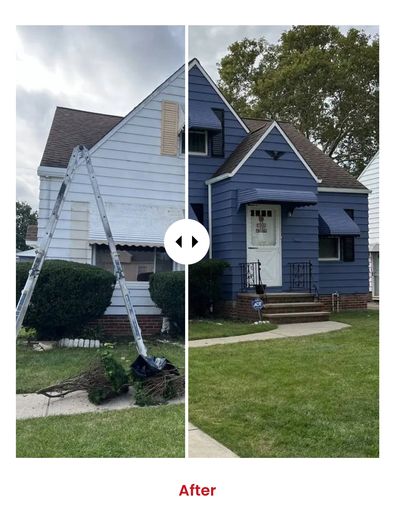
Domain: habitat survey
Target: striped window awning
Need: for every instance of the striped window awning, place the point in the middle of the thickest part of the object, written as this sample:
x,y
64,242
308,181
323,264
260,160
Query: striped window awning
x,y
137,225
293,197
336,222
201,116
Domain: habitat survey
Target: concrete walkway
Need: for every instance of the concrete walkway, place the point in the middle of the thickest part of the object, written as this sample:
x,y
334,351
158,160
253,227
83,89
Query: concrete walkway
x,y
36,405
202,445
282,331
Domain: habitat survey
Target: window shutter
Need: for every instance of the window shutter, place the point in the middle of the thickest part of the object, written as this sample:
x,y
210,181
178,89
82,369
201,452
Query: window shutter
x,y
348,249
169,128
217,139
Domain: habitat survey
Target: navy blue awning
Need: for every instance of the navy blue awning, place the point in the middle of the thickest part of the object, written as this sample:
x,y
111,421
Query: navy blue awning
x,y
293,197
336,222
203,117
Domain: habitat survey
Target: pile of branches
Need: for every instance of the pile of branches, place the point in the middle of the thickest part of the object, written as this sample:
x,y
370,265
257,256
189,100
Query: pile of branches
x,y
160,388
104,379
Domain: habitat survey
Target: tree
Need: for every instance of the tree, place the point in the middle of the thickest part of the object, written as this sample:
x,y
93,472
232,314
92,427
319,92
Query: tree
x,y
25,217
324,82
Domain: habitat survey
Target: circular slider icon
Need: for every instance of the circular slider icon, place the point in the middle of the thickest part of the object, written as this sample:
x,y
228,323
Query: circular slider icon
x,y
186,241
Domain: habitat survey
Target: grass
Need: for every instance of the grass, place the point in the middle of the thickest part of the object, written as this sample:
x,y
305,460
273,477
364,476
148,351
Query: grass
x,y
206,329
38,369
146,432
313,396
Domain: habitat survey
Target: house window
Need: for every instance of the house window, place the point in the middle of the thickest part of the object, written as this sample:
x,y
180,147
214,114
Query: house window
x,y
329,248
198,142
138,263
347,249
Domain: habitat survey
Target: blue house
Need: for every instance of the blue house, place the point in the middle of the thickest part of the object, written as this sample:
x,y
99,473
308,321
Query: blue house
x,y
292,224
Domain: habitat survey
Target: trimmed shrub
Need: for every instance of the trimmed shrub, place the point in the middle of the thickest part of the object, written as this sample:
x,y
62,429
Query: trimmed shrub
x,y
167,290
116,380
67,296
205,286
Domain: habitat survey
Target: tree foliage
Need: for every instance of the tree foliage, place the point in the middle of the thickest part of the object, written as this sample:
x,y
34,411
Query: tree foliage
x,y
324,82
25,217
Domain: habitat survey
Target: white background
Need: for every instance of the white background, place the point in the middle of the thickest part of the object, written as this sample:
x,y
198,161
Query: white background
x,y
151,486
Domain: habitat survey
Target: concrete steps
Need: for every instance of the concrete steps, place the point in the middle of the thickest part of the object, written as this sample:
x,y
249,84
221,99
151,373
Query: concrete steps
x,y
276,308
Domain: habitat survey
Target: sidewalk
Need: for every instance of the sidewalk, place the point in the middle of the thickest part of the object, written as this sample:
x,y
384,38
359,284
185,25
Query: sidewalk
x,y
202,445
283,331
36,405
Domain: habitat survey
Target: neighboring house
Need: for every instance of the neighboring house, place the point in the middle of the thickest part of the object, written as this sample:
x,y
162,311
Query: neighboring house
x,y
267,195
140,171
370,178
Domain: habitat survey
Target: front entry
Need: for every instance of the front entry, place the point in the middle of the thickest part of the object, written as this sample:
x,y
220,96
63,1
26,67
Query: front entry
x,y
263,224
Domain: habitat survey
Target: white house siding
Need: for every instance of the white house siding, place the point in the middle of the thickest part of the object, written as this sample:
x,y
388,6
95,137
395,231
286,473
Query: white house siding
x,y
370,178
130,170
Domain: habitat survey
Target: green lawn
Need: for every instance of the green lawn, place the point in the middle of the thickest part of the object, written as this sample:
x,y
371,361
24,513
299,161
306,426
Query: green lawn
x,y
38,369
207,328
311,396
144,432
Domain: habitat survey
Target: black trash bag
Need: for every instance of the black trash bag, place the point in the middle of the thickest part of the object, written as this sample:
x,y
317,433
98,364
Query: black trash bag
x,y
146,367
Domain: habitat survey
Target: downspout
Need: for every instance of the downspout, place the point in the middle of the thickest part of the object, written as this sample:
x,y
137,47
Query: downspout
x,y
210,219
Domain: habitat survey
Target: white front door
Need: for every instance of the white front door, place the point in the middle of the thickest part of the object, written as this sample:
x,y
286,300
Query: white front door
x,y
263,223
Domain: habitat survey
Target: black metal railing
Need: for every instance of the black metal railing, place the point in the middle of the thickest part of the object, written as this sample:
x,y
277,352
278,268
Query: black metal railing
x,y
300,276
250,274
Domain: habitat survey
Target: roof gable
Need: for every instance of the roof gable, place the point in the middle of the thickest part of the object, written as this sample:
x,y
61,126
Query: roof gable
x,y
72,127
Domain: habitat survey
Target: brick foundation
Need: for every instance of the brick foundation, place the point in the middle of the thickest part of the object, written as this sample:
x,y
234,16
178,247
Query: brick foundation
x,y
242,309
346,301
118,325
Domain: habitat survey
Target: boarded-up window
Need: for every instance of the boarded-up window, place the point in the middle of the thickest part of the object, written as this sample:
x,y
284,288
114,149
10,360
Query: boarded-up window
x,y
169,128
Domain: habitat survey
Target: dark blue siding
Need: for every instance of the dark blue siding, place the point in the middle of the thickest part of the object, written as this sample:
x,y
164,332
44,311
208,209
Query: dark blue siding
x,y
202,168
299,231
347,277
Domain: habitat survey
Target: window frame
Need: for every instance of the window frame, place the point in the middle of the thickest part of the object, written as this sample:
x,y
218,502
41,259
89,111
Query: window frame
x,y
331,259
198,131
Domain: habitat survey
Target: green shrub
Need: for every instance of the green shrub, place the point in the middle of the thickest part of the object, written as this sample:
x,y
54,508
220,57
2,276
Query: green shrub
x,y
167,290
67,296
205,286
116,380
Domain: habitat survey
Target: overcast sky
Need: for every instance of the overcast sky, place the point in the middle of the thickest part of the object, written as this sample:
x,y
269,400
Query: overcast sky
x,y
102,69
209,43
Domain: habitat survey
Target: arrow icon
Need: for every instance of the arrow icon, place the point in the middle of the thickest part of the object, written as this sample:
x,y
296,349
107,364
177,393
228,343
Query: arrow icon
x,y
194,241
179,241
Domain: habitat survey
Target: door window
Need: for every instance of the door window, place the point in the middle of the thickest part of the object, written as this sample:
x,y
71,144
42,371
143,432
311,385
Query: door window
x,y
263,227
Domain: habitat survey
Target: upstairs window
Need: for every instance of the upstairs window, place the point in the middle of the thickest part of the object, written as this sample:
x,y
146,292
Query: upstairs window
x,y
198,143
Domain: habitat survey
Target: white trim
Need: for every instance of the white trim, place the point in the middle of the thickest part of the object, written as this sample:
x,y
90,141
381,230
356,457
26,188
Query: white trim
x,y
274,125
201,131
343,190
137,109
51,171
195,62
210,219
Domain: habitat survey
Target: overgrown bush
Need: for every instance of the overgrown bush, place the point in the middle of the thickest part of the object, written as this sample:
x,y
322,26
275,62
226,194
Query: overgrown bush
x,y
205,286
116,380
167,290
67,296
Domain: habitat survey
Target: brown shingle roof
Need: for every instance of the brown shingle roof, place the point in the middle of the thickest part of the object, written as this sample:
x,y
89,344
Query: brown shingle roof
x,y
330,173
73,127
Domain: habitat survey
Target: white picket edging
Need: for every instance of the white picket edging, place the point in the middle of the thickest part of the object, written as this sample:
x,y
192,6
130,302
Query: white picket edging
x,y
79,343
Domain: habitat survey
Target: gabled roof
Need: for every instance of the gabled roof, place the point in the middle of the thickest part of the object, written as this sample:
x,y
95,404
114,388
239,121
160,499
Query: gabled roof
x,y
73,127
329,174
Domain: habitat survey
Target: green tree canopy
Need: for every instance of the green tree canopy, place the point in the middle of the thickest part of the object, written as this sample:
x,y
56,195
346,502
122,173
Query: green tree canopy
x,y
324,82
25,217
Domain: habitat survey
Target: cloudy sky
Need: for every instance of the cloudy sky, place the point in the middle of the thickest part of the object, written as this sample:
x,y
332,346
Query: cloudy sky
x,y
209,43
102,69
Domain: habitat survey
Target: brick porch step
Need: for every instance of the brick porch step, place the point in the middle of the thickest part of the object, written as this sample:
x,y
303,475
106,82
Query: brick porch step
x,y
275,308
289,297
297,317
